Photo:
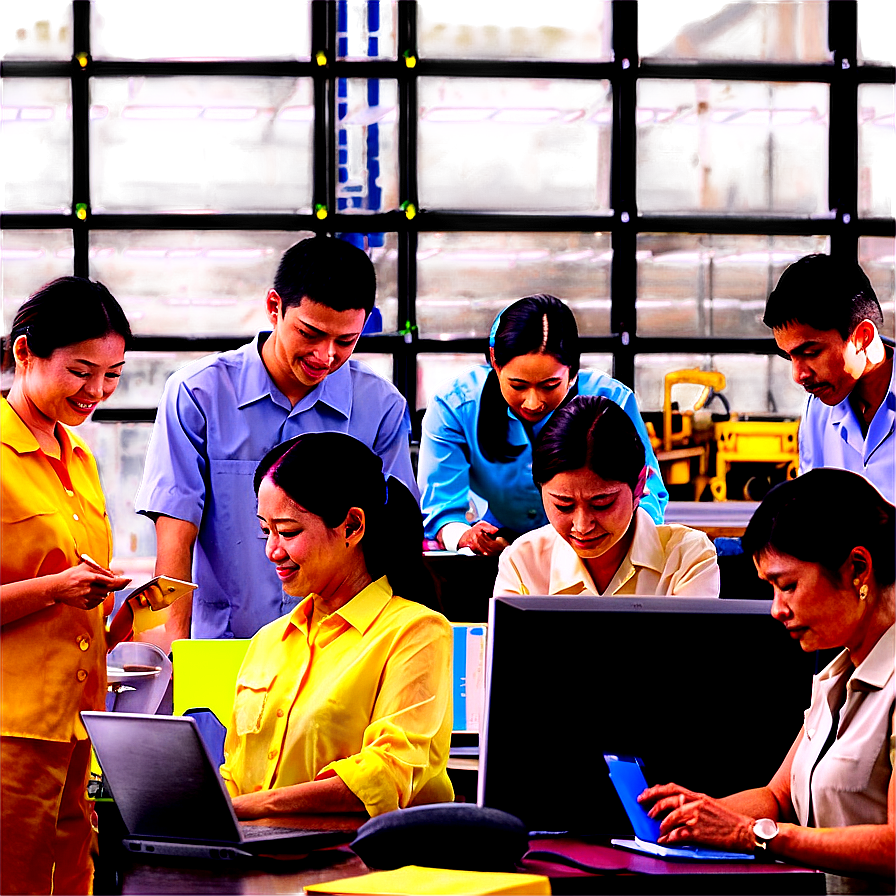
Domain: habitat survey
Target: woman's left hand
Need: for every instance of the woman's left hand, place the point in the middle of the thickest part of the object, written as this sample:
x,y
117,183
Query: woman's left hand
x,y
689,817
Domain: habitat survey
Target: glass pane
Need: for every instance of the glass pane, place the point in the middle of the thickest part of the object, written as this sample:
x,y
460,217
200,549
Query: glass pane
x,y
201,144
36,144
144,377
602,363
877,149
28,259
465,279
201,29
876,255
380,364
119,449
514,144
782,31
437,372
877,25
709,285
755,384
36,29
367,135
366,29
735,147
183,282
570,29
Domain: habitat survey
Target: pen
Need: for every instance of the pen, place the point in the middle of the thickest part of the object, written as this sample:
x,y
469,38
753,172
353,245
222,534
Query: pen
x,y
97,566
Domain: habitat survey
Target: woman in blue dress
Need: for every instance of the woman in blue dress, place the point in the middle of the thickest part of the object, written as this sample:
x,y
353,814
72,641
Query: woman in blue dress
x,y
478,432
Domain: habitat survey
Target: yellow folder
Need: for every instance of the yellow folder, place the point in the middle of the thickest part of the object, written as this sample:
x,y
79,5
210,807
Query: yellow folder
x,y
414,880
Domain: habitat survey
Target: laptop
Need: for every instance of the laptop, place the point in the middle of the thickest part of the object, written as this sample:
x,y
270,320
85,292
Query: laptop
x,y
627,777
171,798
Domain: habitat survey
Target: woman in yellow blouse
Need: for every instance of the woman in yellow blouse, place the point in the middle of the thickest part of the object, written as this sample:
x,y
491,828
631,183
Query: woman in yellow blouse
x,y
345,703
67,343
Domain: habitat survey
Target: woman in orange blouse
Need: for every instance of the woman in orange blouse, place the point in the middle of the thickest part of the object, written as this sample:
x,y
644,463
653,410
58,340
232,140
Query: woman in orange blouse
x,y
67,344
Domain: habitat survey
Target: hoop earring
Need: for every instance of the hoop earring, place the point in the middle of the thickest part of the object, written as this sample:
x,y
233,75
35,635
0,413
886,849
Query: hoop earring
x,y
863,592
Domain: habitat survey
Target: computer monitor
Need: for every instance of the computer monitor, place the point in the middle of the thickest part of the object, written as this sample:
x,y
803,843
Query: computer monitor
x,y
710,693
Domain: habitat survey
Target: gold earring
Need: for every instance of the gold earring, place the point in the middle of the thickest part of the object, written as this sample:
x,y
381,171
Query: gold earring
x,y
855,583
863,592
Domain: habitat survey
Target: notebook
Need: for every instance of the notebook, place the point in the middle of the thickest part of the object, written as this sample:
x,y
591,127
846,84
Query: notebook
x,y
171,798
627,777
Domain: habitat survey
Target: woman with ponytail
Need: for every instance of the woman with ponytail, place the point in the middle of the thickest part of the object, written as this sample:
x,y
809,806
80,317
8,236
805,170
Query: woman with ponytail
x,y
345,703
478,433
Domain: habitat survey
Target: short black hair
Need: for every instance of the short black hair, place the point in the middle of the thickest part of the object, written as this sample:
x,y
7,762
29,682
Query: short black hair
x,y
825,293
590,432
328,271
820,517
63,312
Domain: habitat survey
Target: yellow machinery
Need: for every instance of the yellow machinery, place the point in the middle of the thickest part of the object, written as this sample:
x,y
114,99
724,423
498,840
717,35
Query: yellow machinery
x,y
767,442
693,445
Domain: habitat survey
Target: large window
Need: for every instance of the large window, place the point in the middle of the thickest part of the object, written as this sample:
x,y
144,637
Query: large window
x,y
654,164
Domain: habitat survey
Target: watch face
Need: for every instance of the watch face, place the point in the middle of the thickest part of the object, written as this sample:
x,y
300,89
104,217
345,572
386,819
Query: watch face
x,y
765,828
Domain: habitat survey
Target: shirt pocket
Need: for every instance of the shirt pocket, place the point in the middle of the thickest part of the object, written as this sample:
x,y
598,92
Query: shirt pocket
x,y
249,703
848,770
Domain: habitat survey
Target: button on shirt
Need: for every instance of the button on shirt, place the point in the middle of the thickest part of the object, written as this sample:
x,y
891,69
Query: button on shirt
x,y
849,783
364,693
217,419
668,560
52,662
832,437
451,464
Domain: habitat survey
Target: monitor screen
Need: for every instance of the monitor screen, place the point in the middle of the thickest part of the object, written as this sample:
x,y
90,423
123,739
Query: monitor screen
x,y
709,693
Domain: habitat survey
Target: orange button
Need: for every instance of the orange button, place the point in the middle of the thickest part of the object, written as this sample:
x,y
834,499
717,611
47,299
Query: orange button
x,y
272,754
75,517
84,643
280,713
82,674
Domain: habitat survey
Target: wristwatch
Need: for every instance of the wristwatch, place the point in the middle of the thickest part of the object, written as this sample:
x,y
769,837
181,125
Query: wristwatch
x,y
764,830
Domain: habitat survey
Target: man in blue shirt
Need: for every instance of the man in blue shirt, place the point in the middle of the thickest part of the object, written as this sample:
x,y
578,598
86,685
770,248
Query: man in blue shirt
x,y
219,416
825,318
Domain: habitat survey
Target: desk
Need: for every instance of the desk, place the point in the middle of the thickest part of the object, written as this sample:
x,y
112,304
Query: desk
x,y
627,872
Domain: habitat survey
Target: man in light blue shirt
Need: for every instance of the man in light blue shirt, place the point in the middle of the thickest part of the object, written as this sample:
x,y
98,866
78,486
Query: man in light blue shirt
x,y
826,317
219,416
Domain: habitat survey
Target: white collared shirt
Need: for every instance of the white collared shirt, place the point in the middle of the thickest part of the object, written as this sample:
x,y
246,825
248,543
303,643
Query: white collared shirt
x,y
670,559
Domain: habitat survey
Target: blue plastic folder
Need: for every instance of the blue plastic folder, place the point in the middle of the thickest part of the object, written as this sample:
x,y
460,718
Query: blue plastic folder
x,y
627,776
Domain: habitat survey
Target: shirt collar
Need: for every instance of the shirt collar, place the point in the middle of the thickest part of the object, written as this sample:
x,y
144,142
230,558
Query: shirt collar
x,y
255,383
20,438
875,670
569,575
360,612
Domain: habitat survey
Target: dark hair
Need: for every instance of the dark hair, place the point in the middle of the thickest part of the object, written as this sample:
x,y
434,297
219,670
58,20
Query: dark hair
x,y
64,312
590,432
539,324
326,270
820,517
825,293
327,473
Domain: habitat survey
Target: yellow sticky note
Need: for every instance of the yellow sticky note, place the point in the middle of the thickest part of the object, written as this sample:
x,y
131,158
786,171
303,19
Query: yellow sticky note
x,y
414,880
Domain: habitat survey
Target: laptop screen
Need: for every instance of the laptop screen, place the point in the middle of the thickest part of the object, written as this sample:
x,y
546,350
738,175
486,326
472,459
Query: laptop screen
x,y
710,693
161,777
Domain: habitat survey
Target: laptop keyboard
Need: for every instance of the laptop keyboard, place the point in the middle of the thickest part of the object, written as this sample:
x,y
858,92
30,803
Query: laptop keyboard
x,y
259,831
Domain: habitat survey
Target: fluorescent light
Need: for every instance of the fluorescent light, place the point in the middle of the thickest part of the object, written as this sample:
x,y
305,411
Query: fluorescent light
x,y
574,256
296,113
161,113
232,113
444,114
20,254
526,116
35,113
